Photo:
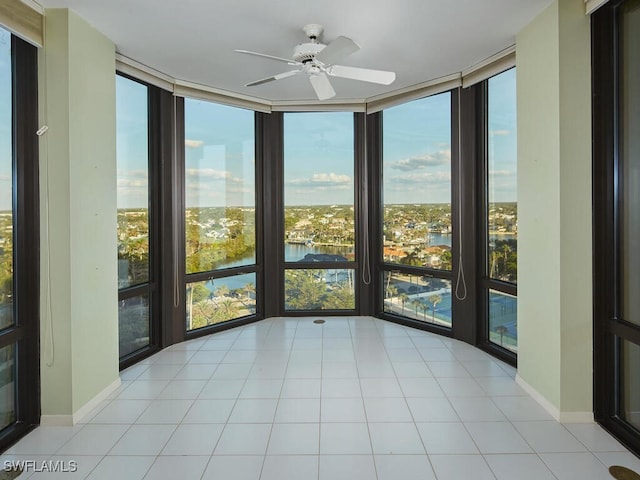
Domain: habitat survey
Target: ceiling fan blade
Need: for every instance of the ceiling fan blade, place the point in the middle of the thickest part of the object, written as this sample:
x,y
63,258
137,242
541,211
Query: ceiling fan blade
x,y
274,77
322,86
264,55
363,74
337,50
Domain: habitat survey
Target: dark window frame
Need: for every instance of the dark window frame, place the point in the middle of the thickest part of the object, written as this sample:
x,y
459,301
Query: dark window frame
x,y
609,328
180,308
25,331
358,206
486,283
377,205
156,120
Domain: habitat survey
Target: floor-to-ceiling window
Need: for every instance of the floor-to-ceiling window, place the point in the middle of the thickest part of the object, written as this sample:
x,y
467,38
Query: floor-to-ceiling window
x,y
616,182
19,269
220,213
293,204
319,212
417,225
137,283
500,212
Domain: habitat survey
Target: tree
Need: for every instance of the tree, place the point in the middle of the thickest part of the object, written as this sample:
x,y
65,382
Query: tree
x,y
416,305
304,290
249,288
403,298
391,290
425,309
222,291
501,330
229,308
434,300
446,259
340,298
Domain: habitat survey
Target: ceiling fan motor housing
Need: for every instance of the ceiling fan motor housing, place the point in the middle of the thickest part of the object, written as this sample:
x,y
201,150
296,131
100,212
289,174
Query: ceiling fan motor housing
x,y
306,52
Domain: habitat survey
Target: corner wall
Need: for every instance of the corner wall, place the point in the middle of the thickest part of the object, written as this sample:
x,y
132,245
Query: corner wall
x,y
553,58
79,332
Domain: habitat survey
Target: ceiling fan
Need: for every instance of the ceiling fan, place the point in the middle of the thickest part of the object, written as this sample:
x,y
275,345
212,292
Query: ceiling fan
x,y
318,61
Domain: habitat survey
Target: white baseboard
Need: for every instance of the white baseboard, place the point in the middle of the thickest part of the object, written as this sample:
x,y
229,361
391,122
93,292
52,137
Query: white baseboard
x,y
56,420
562,417
576,417
70,420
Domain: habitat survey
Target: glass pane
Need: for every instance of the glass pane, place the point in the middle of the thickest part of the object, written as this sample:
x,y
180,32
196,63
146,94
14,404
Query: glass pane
x,y
502,209
7,385
503,320
417,183
133,182
630,398
219,300
220,218
133,322
630,171
311,289
418,297
6,184
318,187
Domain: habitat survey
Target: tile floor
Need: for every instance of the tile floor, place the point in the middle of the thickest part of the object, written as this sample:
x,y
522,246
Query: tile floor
x,y
355,398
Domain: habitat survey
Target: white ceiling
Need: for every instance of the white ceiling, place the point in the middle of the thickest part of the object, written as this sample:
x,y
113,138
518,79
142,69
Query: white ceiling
x,y
193,40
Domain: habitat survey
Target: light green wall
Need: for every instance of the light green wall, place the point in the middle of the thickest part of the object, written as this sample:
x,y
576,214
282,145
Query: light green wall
x,y
78,187
554,203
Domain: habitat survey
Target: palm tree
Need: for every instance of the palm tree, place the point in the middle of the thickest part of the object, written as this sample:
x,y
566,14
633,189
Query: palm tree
x,y
222,291
434,300
403,298
506,249
416,304
249,288
501,329
391,292
425,309
229,309
494,260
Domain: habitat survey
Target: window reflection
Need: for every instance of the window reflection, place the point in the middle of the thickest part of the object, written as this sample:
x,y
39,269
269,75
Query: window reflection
x,y
319,289
132,140
318,187
219,300
417,226
503,320
6,184
219,186
418,297
502,208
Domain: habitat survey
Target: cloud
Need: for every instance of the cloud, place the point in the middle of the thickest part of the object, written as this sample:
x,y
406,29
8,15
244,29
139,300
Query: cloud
x,y
424,178
132,181
208,173
502,173
211,175
193,143
322,180
133,174
441,157
500,133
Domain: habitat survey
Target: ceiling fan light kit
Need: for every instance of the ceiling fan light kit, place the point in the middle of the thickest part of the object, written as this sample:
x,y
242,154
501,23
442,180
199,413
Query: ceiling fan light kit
x,y
318,62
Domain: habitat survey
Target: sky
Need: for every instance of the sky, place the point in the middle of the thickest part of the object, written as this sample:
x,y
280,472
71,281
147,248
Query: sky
x,y
416,151
502,137
318,158
318,151
5,121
